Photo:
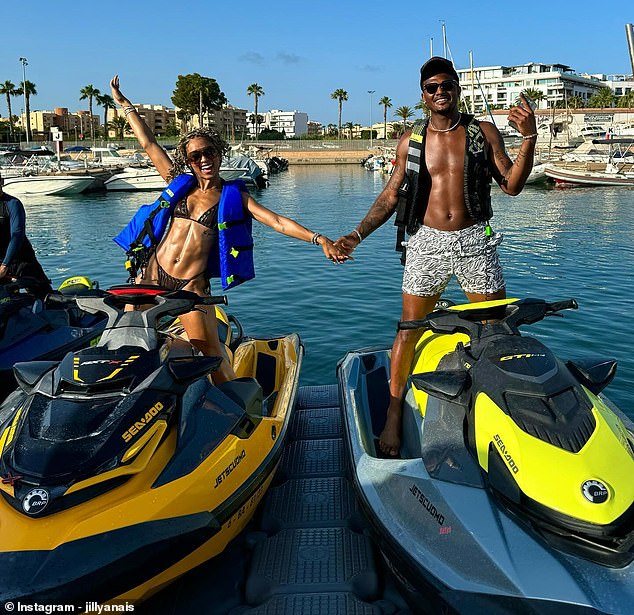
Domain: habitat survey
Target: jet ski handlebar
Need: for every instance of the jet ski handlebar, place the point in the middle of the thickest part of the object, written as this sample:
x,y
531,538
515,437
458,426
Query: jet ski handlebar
x,y
473,320
159,301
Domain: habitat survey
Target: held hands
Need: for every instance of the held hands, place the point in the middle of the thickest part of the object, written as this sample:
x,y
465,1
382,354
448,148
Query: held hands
x,y
332,252
347,243
524,118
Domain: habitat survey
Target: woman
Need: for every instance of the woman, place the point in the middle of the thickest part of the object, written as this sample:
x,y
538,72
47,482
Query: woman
x,y
181,258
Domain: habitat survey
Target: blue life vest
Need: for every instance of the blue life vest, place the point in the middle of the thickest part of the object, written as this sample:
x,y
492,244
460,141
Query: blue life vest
x,y
150,221
232,262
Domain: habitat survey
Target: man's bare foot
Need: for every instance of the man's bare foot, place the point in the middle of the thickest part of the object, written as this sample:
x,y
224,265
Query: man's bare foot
x,y
390,438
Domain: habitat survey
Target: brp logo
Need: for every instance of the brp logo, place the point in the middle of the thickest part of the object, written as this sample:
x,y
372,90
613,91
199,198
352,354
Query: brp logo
x,y
35,501
595,491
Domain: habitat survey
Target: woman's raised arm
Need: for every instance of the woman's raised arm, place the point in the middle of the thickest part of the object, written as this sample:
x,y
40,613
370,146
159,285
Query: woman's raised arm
x,y
142,131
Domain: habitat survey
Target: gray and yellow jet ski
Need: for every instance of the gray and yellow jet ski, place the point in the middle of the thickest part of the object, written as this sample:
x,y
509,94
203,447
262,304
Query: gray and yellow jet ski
x,y
514,490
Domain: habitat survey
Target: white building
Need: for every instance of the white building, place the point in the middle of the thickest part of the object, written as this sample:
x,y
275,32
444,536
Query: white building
x,y
501,85
290,123
619,84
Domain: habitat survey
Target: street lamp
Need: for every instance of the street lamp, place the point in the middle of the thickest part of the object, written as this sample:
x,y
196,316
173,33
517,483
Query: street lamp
x,y
370,92
24,64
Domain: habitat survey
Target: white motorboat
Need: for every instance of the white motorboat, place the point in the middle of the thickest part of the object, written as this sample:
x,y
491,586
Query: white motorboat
x,y
610,176
135,179
616,170
238,167
47,184
110,157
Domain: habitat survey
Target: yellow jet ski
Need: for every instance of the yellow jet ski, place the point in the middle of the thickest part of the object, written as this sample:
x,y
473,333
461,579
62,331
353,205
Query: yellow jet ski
x,y
123,466
514,490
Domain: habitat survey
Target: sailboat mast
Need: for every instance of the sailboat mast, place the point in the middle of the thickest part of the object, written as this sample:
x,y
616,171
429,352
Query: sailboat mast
x,y
472,83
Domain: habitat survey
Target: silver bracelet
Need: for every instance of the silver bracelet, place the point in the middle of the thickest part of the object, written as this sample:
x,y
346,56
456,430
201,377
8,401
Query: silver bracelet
x,y
527,137
128,110
354,230
315,239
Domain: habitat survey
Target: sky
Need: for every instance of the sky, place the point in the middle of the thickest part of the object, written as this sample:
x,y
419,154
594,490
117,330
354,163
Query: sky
x,y
298,52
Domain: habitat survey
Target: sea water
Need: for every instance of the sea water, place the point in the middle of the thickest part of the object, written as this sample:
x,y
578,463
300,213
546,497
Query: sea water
x,y
558,243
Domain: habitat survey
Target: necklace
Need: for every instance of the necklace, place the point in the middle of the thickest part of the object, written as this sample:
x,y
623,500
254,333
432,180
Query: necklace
x,y
445,129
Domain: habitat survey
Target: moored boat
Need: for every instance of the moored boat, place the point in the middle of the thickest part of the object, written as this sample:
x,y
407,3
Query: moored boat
x,y
239,167
50,184
614,168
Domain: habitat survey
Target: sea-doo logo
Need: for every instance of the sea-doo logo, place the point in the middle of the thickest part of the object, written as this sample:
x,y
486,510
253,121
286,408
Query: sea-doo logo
x,y
133,430
505,454
230,468
520,356
35,501
595,491
427,505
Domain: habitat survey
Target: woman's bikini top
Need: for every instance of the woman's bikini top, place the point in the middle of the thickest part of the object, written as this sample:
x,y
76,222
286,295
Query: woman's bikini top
x,y
208,218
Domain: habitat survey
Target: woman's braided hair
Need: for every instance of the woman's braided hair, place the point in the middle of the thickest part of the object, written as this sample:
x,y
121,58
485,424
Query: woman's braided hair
x,y
181,165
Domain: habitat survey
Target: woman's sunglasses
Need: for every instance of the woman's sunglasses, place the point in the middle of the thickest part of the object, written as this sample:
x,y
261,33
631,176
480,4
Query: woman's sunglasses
x,y
197,155
445,86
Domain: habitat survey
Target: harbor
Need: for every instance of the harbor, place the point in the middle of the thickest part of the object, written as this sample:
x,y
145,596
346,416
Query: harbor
x,y
309,518
346,436
557,244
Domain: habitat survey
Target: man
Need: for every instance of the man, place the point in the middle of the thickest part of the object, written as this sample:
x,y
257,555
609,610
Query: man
x,y
442,178
16,253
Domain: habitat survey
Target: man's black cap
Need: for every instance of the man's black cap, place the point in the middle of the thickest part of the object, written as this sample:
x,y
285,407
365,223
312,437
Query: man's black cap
x,y
436,66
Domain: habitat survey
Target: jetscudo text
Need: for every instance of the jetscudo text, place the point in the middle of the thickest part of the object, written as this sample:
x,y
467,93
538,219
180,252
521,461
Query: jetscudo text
x,y
230,468
429,507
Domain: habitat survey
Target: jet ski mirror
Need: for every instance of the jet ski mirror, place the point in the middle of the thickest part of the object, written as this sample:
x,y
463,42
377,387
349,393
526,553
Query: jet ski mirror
x,y
594,374
28,374
447,385
185,369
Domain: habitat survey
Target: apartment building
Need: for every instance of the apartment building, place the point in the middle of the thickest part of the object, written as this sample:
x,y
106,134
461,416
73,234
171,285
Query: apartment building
x,y
72,125
501,85
315,128
231,122
157,117
619,84
290,123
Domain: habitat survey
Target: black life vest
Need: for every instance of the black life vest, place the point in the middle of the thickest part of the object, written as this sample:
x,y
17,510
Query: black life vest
x,y
25,252
412,203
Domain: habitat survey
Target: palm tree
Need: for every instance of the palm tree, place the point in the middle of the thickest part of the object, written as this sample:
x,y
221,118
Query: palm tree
x,y
604,98
89,92
626,101
421,106
405,112
575,102
28,89
107,102
8,89
120,125
340,95
386,103
349,126
257,91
